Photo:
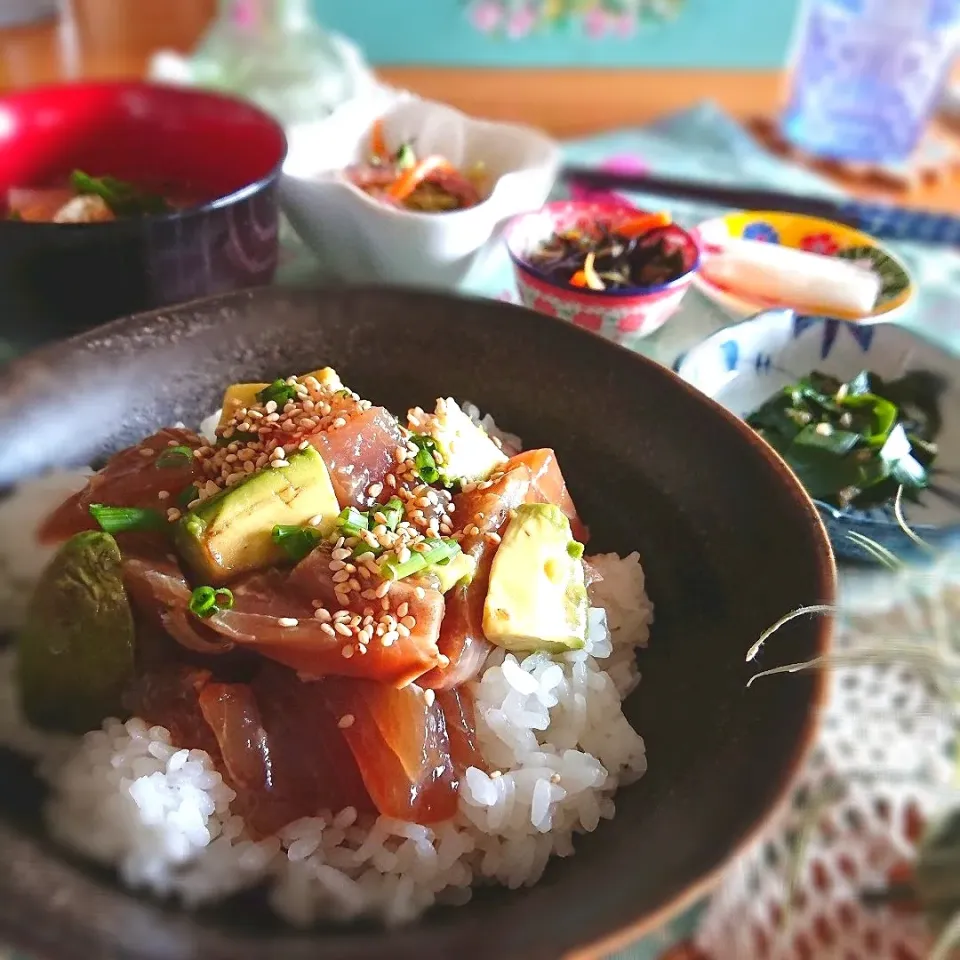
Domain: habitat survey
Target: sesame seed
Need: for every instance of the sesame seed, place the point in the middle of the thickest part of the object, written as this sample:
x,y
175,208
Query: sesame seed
x,y
270,406
408,621
403,609
279,463
493,537
340,553
495,773
303,445
420,592
355,585
361,648
288,621
322,614
163,494
342,616
429,696
399,454
277,453
345,721
384,589
173,514
391,480
443,660
347,651
146,452
375,489
403,631
554,777
341,576
389,639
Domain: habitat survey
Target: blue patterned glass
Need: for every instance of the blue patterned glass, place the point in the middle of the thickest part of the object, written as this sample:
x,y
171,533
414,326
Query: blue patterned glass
x,y
866,76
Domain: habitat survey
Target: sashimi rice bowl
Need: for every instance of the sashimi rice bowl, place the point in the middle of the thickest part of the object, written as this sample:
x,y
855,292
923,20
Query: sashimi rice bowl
x,y
366,662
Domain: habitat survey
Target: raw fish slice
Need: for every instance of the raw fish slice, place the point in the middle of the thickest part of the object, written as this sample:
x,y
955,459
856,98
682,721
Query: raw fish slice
x,y
549,485
169,697
462,641
359,454
129,479
459,714
399,740
281,749
277,620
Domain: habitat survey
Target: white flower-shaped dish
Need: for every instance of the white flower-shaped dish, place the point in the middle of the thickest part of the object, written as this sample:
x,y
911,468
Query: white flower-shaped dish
x,y
358,238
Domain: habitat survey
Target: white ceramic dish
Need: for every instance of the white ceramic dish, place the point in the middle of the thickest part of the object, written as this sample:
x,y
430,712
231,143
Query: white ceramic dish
x,y
357,238
742,365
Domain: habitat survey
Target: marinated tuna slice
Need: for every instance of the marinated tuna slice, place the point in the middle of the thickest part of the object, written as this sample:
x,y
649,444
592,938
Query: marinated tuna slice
x,y
549,486
359,454
274,740
130,478
170,697
274,617
399,740
281,749
459,714
160,595
481,512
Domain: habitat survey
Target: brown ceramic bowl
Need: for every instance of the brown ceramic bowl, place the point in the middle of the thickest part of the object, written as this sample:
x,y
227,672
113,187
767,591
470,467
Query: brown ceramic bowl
x,y
729,541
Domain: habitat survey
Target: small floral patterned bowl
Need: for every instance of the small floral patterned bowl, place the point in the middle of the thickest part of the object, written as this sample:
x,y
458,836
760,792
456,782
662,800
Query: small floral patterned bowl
x,y
816,236
620,315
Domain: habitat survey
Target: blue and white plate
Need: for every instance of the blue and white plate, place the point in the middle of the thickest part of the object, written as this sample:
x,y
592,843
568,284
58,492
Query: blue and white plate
x,y
743,365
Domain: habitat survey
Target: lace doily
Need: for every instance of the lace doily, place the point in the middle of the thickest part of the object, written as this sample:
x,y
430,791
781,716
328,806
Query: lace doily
x,y
885,763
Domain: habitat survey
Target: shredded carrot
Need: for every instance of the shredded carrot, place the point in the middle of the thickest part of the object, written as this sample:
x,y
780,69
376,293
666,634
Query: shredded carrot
x,y
378,142
636,226
409,180
579,279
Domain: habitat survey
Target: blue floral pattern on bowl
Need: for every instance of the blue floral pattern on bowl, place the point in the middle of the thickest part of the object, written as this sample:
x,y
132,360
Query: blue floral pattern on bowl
x,y
744,364
759,230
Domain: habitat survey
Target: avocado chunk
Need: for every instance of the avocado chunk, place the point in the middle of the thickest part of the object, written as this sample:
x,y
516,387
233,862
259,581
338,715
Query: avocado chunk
x,y
241,395
232,532
537,598
75,654
468,453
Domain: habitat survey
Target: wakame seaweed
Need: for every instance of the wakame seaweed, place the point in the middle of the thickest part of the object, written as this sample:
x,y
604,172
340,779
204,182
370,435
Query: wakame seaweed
x,y
855,443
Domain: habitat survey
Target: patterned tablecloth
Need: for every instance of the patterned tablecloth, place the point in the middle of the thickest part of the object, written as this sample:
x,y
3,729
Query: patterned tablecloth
x,y
704,143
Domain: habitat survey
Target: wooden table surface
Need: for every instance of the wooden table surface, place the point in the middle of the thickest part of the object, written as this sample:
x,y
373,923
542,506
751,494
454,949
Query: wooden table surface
x,y
115,38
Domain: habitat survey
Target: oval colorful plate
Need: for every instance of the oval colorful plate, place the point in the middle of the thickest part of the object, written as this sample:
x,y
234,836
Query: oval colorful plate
x,y
816,236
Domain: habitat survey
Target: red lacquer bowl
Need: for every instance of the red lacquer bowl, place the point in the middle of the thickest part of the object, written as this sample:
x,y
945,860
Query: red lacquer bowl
x,y
620,315
224,154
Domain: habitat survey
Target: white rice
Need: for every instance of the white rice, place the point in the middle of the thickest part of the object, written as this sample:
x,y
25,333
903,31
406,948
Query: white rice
x,y
550,728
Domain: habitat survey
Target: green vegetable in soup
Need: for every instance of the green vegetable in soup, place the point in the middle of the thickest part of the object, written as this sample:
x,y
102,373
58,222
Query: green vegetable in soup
x,y
75,654
855,443
124,199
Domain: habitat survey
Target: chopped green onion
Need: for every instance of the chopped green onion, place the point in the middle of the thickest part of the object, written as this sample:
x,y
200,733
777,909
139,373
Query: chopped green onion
x,y
296,541
424,460
279,392
392,512
352,522
437,552
127,519
363,547
188,495
405,157
575,549
207,601
174,456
